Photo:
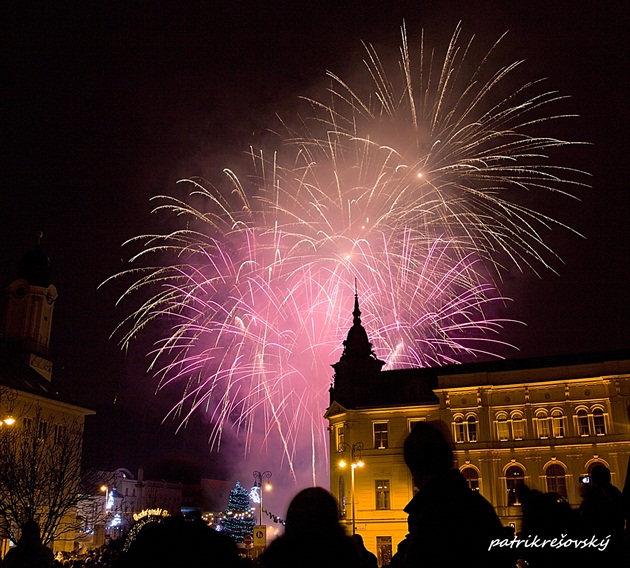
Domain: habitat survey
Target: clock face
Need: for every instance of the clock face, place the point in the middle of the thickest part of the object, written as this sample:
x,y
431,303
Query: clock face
x,y
19,288
19,292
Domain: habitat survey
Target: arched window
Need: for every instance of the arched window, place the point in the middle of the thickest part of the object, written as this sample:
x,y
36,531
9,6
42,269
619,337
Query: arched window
x,y
472,477
459,430
557,421
599,422
514,478
556,479
582,418
542,422
472,429
518,426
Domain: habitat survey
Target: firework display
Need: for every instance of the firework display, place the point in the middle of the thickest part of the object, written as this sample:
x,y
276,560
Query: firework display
x,y
413,185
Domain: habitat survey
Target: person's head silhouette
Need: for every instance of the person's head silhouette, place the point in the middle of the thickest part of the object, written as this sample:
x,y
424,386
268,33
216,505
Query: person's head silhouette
x,y
312,507
600,475
427,452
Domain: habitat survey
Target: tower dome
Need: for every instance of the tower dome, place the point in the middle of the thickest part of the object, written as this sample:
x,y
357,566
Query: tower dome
x,y
357,363
357,345
34,267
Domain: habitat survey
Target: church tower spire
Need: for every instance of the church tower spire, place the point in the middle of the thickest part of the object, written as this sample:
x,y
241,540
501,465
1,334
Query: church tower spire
x,y
358,362
357,312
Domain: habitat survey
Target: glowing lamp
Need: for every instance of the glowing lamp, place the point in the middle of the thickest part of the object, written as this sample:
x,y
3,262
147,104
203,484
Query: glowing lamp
x,y
9,421
342,463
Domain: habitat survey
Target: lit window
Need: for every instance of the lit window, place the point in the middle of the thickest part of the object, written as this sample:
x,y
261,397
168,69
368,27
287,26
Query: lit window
x,y
382,493
459,430
384,549
542,421
598,422
60,432
582,418
42,431
342,497
380,435
503,429
514,478
557,421
556,480
341,437
472,429
472,477
518,426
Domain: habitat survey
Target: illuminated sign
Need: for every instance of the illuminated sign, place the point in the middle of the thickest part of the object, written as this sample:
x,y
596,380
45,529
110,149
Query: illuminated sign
x,y
150,513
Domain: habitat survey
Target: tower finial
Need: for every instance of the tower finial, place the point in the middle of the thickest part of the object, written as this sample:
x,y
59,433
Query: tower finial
x,y
357,312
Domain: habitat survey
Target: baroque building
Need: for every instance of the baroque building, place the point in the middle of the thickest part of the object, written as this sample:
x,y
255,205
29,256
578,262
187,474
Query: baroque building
x,y
541,422
125,497
31,405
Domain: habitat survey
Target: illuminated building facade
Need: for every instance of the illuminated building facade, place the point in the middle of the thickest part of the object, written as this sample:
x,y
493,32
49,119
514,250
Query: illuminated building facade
x,y
542,422
125,496
28,398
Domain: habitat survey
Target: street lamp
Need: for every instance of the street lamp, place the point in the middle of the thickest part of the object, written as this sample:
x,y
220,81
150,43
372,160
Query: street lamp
x,y
259,479
9,395
355,462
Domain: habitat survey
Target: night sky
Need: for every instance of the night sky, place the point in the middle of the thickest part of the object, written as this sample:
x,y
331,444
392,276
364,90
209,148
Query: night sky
x,y
107,104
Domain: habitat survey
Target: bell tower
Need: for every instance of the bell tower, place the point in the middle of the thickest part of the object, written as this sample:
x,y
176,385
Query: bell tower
x,y
357,363
29,302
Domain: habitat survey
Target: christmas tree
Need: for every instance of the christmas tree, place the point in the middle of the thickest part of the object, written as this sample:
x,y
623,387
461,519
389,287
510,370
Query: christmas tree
x,y
238,519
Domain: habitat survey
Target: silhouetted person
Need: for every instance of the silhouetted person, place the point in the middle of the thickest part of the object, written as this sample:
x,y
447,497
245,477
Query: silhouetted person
x,y
449,524
174,542
313,537
602,513
29,551
368,560
548,516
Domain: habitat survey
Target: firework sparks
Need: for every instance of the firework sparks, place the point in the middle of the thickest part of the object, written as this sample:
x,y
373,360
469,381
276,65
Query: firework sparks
x,y
407,189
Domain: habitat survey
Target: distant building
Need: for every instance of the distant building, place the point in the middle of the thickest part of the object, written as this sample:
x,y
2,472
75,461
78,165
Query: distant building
x,y
124,496
27,394
542,422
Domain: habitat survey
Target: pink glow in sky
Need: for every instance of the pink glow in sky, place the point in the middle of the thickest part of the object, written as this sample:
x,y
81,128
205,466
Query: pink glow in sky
x,y
408,182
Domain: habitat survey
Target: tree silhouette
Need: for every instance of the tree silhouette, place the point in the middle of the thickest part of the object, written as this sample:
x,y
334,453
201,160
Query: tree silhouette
x,y
41,477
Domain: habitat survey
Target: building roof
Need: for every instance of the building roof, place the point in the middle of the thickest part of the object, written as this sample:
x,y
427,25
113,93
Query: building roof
x,y
16,374
536,369
415,387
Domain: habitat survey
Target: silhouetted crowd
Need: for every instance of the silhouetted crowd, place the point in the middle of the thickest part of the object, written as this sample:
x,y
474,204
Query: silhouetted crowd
x,y
449,526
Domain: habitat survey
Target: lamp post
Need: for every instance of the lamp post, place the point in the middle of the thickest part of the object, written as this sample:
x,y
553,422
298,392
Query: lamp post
x,y
355,462
105,490
259,479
